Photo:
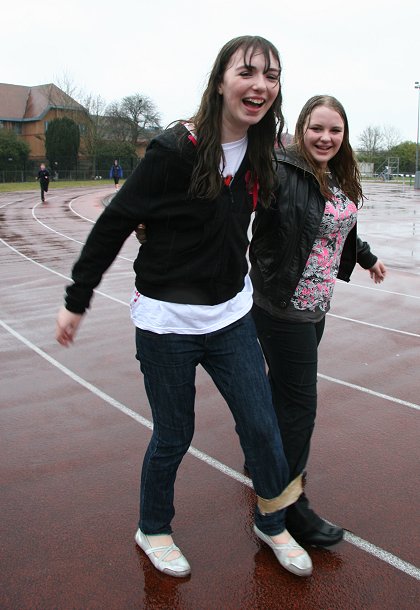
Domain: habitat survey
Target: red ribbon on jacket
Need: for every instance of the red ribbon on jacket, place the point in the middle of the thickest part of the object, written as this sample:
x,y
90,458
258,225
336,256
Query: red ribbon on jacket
x,y
255,188
228,179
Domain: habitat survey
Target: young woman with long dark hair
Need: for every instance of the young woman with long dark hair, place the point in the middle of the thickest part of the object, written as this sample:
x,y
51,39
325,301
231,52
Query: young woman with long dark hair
x,y
195,191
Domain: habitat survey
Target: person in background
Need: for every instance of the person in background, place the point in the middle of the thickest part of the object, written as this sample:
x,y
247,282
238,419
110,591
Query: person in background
x,y
44,180
300,245
116,173
195,190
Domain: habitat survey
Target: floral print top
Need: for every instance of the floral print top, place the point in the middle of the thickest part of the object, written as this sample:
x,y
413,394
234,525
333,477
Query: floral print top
x,y
316,285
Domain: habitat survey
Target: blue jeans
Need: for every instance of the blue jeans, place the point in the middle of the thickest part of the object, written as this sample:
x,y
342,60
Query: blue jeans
x,y
233,358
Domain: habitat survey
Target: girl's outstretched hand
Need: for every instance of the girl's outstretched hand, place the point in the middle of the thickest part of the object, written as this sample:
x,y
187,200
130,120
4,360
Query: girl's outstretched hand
x,y
378,272
66,326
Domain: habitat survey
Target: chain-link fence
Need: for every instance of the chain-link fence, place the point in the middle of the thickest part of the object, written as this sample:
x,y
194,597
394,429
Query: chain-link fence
x,y
86,169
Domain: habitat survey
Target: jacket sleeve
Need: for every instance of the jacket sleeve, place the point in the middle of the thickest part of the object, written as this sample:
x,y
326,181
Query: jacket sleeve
x,y
365,257
99,252
134,203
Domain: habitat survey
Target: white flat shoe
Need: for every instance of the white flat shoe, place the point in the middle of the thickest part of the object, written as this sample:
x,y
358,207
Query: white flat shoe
x,y
178,567
300,565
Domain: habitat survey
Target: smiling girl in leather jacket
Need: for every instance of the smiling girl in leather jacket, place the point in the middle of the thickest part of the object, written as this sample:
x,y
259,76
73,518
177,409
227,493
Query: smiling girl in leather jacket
x,y
301,244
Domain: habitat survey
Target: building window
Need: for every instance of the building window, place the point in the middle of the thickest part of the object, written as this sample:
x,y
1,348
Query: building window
x,y
17,128
82,129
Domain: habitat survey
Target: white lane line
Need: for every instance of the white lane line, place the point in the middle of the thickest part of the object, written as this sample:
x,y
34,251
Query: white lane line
x,y
24,200
65,277
78,213
118,405
392,330
351,284
4,205
332,379
364,545
360,388
400,294
393,560
67,236
51,229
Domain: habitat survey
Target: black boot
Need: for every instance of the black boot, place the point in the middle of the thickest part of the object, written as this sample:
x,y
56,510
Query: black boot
x,y
306,527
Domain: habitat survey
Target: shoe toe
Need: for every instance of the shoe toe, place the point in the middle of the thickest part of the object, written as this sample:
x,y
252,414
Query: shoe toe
x,y
300,565
326,535
321,534
178,567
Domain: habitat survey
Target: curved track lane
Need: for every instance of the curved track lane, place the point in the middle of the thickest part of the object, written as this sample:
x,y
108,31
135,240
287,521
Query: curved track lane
x,y
75,424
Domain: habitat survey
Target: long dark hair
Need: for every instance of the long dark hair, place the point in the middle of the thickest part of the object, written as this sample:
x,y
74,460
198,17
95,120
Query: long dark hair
x,y
343,165
206,180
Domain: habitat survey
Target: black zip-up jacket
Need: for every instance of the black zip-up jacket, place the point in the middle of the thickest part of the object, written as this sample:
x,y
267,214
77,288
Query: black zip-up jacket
x,y
196,248
43,176
284,234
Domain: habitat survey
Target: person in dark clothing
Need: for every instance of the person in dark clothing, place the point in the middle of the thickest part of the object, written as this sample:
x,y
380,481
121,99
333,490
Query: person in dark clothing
x,y
300,245
116,173
44,180
195,190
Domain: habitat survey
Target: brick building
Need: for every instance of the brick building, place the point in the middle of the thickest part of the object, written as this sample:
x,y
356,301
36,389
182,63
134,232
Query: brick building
x,y
27,111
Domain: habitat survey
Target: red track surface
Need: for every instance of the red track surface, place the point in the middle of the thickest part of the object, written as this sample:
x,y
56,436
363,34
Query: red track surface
x,y
74,428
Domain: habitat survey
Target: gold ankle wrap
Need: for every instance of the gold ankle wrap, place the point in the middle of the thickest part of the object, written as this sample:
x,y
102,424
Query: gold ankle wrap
x,y
288,496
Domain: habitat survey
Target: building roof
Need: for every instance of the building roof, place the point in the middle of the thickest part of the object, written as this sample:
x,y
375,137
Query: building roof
x,y
20,103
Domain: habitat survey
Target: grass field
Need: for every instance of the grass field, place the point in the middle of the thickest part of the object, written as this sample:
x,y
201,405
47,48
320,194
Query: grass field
x,y
10,187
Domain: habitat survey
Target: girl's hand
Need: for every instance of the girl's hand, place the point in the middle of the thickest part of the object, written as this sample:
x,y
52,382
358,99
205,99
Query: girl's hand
x,y
378,272
141,233
66,326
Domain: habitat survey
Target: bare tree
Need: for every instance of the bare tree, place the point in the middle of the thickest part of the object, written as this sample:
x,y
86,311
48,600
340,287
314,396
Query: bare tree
x,y
95,126
95,106
66,83
133,115
371,140
391,136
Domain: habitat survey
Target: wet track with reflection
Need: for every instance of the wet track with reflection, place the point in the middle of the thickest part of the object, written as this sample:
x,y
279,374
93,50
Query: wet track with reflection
x,y
75,424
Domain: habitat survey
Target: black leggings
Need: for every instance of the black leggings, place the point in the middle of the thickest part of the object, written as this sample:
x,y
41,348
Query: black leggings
x,y
291,352
44,189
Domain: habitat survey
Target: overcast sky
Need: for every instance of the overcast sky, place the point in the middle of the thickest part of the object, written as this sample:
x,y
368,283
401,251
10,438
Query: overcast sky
x,y
365,53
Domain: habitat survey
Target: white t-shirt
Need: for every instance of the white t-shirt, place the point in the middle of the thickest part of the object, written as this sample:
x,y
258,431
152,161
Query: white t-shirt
x,y
163,317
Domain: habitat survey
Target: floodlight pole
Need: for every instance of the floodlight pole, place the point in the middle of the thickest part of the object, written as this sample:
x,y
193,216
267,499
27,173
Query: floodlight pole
x,y
417,178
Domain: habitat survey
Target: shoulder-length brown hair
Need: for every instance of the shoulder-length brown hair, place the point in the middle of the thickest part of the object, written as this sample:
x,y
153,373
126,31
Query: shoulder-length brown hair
x,y
206,180
343,165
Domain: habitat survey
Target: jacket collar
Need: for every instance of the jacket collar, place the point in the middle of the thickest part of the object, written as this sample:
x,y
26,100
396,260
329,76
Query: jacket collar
x,y
291,156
